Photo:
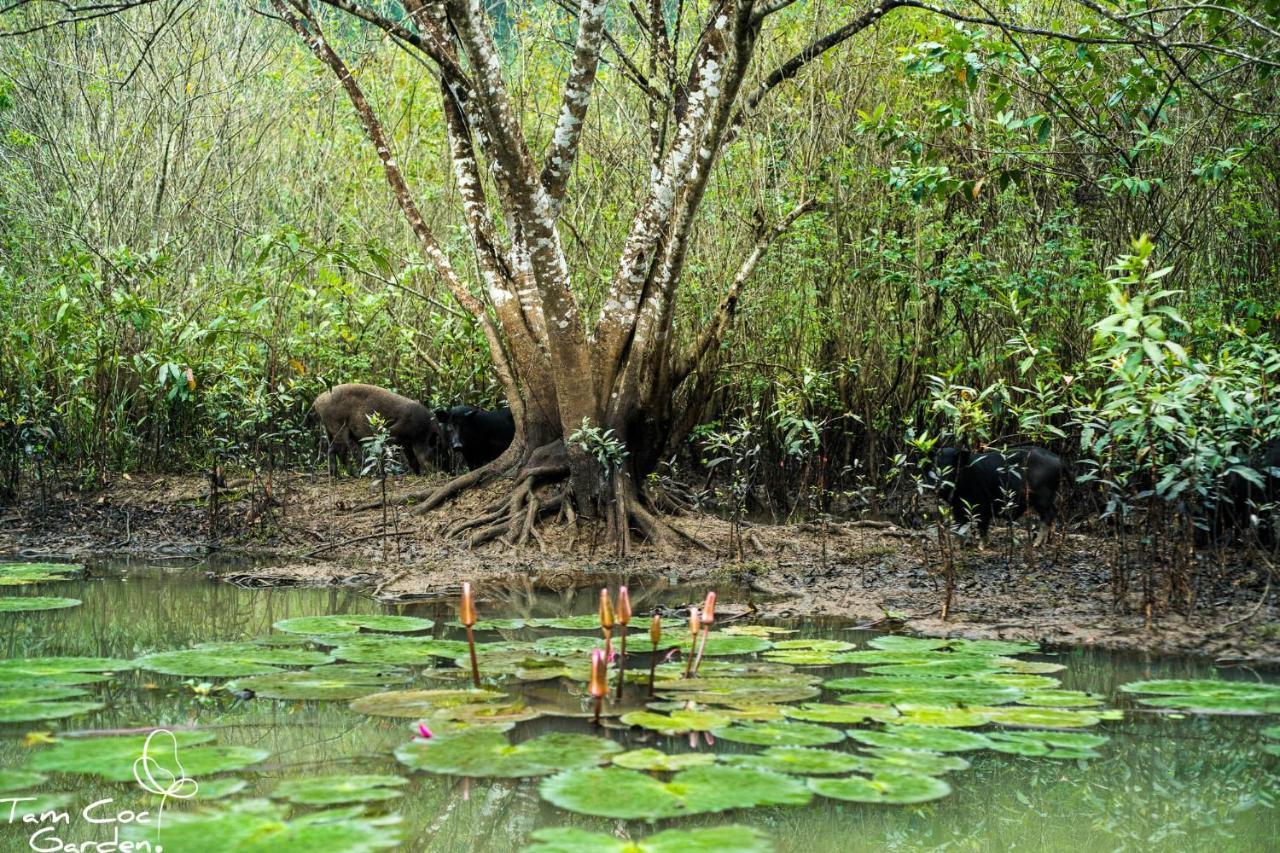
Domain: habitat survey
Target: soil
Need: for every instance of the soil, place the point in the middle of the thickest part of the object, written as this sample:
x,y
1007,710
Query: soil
x,y
869,571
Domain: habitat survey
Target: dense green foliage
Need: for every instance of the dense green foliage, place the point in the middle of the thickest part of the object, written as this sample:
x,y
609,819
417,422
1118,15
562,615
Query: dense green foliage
x,y
194,245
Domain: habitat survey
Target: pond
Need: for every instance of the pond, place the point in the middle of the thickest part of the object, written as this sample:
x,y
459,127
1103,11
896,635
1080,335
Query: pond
x,y
1161,781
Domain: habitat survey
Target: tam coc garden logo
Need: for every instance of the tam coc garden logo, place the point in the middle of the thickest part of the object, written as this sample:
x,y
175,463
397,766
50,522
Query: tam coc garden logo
x,y
157,770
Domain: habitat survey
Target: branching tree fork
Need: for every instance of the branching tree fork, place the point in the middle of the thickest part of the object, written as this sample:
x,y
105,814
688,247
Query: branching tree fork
x,y
623,368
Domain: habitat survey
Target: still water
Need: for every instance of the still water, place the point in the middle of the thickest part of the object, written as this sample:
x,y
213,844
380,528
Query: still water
x,y
1176,784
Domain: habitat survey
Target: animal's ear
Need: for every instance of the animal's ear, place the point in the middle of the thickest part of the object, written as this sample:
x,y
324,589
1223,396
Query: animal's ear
x,y
441,415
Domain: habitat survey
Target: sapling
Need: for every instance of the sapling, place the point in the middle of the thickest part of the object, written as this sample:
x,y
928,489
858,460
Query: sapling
x,y
467,616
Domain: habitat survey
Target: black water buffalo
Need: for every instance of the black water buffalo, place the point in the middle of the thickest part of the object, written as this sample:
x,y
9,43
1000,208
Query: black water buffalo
x,y
999,482
479,435
344,412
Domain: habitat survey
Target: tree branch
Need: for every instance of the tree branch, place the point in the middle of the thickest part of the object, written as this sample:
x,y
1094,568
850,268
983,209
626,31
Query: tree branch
x,y
574,103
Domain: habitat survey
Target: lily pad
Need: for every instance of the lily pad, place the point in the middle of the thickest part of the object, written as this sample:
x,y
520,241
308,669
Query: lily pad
x,y
493,625
259,826
752,712
720,644
714,839
814,645
1209,696
24,704
757,630
898,643
653,759
229,660
630,795
1042,718
16,780
23,604
483,753
58,670
353,624
929,738
887,788
799,761
1272,732
895,760
750,695
321,683
993,647
952,665
1023,681
816,712
419,703
780,733
568,645
407,651
951,718
1027,667
217,789
492,714
1047,744
21,574
112,758
1061,699
803,657
331,790
677,722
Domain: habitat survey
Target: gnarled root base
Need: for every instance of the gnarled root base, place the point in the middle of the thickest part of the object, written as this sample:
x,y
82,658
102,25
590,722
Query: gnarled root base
x,y
540,488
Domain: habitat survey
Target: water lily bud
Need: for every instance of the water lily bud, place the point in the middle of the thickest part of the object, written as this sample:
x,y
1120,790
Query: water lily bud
x,y
424,732
599,683
695,624
606,610
655,629
709,608
467,613
624,607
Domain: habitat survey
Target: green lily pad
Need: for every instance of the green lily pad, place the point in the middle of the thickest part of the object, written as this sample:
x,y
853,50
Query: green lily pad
x,y
1027,667
492,714
897,643
752,712
58,670
799,761
936,698
229,660
569,645
112,758
750,695
35,805
780,733
630,795
406,651
814,645
951,718
419,703
21,574
720,644
1047,744
952,665
729,683
217,789
993,647
23,604
887,788
331,790
1022,681
929,738
1040,718
677,722
867,657
259,826
483,753
715,839
1272,732
493,625
1061,699
652,759
353,624
756,630
1209,696
896,760
16,780
817,712
24,704
321,683
803,657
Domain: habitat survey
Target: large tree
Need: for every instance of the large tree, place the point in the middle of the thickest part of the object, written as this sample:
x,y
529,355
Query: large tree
x,y
695,67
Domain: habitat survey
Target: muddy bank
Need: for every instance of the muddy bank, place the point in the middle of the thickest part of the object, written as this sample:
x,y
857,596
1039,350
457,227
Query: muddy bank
x,y
300,529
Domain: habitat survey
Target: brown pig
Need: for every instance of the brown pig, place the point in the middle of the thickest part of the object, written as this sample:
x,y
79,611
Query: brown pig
x,y
344,412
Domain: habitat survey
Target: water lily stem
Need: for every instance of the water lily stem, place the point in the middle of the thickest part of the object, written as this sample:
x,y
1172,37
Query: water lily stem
x,y
653,668
702,644
622,662
475,665
599,705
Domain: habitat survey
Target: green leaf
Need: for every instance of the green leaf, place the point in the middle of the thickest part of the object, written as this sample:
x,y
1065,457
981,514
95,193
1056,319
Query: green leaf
x,y
715,839
780,733
331,790
886,788
353,624
58,670
652,759
929,738
24,704
229,660
16,780
23,604
799,761
21,574
112,758
420,703
483,753
817,712
258,826
322,683
677,722
630,795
